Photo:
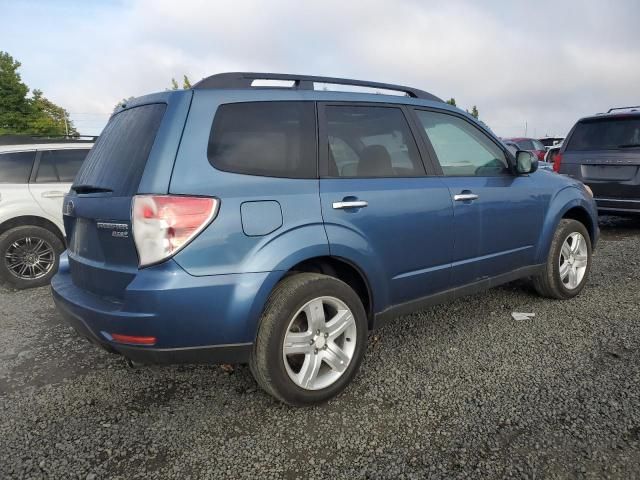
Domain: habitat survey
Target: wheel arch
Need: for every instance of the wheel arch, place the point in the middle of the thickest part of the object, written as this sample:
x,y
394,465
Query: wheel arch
x,y
566,204
581,215
343,270
32,220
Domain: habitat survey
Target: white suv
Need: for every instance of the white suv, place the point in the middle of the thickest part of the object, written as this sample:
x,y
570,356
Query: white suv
x,y
34,177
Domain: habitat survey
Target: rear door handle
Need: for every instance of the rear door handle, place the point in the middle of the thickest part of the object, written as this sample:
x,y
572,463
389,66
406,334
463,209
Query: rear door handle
x,y
52,194
463,197
350,204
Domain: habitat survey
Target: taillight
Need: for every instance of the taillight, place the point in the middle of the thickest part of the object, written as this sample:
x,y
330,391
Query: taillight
x,y
556,162
164,224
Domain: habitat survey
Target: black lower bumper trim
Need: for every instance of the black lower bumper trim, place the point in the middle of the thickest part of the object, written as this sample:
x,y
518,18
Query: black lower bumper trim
x,y
618,205
234,353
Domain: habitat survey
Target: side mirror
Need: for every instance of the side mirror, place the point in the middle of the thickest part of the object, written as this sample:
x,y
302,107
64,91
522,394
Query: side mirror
x,y
526,162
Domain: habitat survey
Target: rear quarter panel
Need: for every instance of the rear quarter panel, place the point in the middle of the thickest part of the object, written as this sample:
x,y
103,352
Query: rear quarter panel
x,y
16,201
225,247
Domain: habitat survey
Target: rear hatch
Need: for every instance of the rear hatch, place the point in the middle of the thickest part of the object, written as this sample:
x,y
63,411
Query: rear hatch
x,y
97,212
604,153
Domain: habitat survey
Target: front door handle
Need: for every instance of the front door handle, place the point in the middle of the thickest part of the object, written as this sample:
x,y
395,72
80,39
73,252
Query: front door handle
x,y
464,197
350,204
52,194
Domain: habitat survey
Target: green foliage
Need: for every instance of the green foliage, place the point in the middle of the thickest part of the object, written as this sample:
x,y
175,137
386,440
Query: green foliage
x,y
122,103
186,84
24,115
474,111
49,118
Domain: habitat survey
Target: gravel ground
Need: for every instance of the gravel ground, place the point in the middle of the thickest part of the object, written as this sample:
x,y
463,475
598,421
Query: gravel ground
x,y
456,391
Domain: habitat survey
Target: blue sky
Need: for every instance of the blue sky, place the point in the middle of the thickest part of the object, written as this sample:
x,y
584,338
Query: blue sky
x,y
543,64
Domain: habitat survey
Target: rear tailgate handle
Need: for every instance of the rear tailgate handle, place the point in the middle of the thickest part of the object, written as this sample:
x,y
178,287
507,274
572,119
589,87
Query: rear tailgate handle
x,y
52,194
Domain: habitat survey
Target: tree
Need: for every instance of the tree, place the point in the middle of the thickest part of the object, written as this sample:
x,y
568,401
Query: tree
x,y
474,112
14,106
452,101
48,118
186,84
24,115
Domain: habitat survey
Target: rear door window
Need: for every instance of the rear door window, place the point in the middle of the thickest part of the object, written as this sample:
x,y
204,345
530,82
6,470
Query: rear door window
x,y
605,134
117,160
273,139
60,165
368,141
15,167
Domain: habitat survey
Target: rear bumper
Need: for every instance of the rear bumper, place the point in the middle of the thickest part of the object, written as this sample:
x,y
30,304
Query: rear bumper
x,y
238,353
208,319
618,205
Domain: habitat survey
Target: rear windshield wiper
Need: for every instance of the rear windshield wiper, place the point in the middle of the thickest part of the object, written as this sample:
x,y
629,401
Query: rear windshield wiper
x,y
90,189
629,145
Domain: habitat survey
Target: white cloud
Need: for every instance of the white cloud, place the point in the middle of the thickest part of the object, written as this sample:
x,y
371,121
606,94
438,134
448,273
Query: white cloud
x,y
546,64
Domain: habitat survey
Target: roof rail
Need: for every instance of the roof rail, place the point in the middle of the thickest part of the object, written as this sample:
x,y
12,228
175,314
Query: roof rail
x,y
622,108
244,80
34,139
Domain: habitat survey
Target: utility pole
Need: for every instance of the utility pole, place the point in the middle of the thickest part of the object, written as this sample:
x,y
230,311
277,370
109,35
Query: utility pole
x,y
66,125
525,128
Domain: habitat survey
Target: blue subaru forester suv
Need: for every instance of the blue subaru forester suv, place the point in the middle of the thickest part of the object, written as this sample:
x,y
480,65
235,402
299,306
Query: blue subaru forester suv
x,y
275,219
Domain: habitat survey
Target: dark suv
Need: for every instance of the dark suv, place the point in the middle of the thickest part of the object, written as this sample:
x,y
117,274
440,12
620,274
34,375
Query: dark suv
x,y
603,151
277,225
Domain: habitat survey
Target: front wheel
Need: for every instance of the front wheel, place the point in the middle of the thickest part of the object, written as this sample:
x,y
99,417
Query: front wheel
x,y
567,268
311,340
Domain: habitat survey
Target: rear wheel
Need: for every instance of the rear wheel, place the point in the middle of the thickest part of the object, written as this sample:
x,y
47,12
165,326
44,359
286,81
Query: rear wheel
x,y
311,339
29,256
568,264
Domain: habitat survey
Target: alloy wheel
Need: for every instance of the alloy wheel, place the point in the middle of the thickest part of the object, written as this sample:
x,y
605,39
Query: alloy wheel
x,y
319,343
30,258
574,258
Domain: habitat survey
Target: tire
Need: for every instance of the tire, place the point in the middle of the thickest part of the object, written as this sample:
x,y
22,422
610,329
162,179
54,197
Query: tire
x,y
551,282
37,248
284,316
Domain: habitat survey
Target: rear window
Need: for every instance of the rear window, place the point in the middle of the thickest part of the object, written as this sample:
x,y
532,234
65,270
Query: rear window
x,y
60,165
273,139
117,160
537,145
15,167
605,134
526,145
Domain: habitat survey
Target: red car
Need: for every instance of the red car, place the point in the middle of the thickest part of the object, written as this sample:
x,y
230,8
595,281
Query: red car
x,y
530,144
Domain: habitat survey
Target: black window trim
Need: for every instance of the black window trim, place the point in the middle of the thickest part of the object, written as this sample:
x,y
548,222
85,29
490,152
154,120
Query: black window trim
x,y
429,147
315,142
323,139
36,167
